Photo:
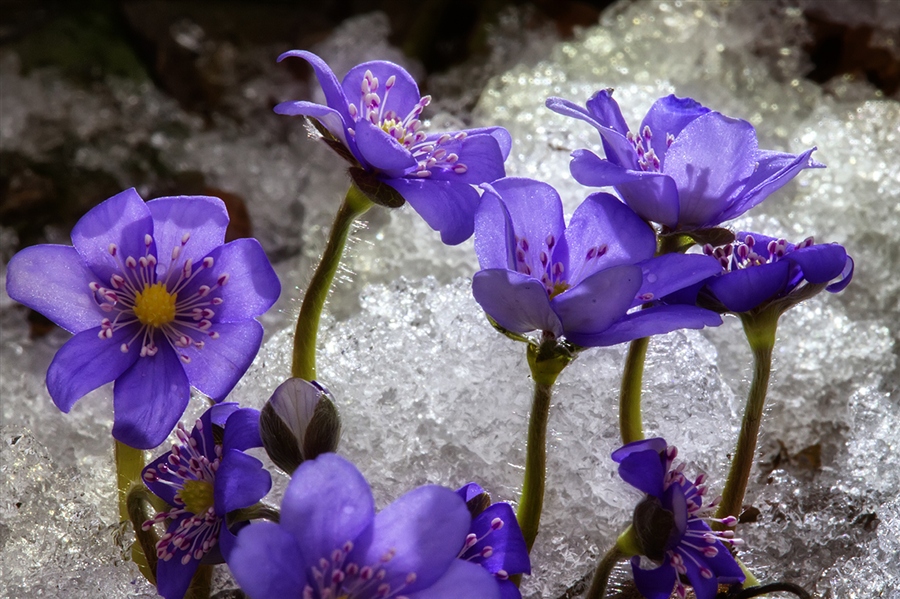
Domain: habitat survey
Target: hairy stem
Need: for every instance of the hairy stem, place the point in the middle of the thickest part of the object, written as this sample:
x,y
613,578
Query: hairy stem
x,y
631,426
760,330
601,574
355,204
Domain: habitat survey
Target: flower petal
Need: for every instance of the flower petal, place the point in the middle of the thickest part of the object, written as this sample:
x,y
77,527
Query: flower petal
x,y
267,563
329,117
470,491
598,301
446,206
327,503
820,263
846,277
422,531
122,220
710,160
644,470
657,320
656,583
653,196
606,110
149,399
668,116
401,98
462,579
605,222
482,156
217,368
509,550
381,150
504,139
172,577
251,286
742,290
495,240
672,272
618,149
53,280
241,481
241,430
508,590
334,95
700,576
86,362
204,219
517,302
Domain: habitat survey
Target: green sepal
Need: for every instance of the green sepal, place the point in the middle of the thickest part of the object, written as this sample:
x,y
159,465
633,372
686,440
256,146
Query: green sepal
x,y
549,358
507,332
333,142
681,241
140,509
628,543
374,189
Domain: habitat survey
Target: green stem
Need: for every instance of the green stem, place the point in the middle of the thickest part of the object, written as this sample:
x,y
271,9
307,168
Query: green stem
x,y
129,464
630,424
546,362
760,330
601,574
355,204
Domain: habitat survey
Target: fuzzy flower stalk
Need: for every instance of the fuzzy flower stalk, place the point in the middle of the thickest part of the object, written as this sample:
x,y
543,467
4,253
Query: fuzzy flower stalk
x,y
670,539
372,119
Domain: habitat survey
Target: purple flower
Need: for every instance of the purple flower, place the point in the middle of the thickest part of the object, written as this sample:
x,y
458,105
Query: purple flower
x,y
686,167
758,270
157,304
203,479
374,114
583,281
330,542
674,536
495,541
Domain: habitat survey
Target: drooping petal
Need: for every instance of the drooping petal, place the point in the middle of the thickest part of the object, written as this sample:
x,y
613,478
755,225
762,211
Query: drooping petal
x,y
820,263
671,272
172,577
402,97
517,302
327,503
598,301
329,117
54,280
202,219
535,210
656,583
217,368
495,241
462,579
742,290
251,286
241,430
604,233
241,481
483,158
653,196
123,221
446,206
334,95
846,277
422,531
606,110
774,171
267,563
382,151
149,398
86,362
710,161
644,470
618,149
509,550
668,116
657,320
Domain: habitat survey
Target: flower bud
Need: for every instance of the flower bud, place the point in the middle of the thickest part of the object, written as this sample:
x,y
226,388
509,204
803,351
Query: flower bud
x,y
299,422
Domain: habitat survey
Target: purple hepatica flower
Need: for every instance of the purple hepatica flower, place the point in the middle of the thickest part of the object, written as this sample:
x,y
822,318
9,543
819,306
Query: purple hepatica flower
x,y
495,540
670,526
205,476
330,543
374,113
759,270
157,303
686,168
583,281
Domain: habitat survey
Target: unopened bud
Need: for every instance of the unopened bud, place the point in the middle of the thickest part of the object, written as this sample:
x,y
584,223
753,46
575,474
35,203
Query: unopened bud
x,y
299,422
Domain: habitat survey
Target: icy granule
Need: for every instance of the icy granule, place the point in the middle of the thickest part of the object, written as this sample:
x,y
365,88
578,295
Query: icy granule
x,y
429,392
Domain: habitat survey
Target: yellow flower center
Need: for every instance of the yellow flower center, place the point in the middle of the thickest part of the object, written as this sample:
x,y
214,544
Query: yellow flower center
x,y
197,496
155,306
558,288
